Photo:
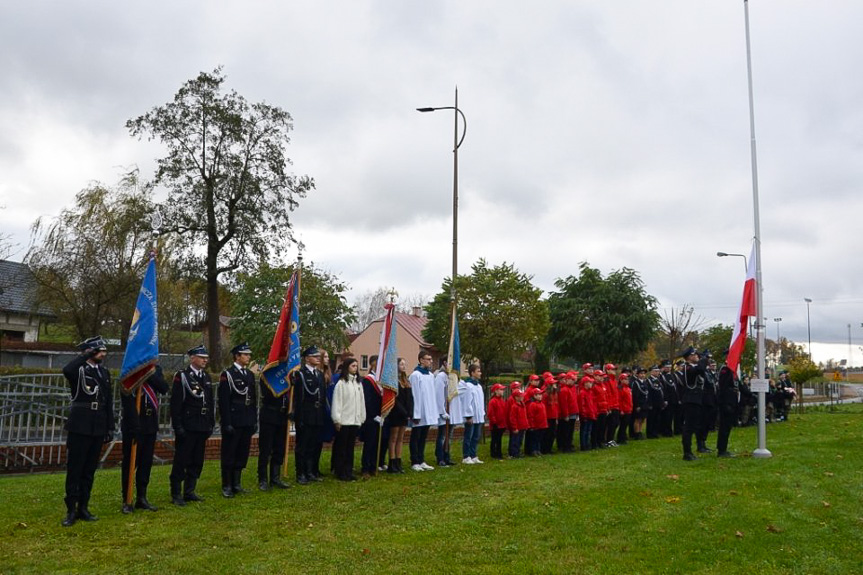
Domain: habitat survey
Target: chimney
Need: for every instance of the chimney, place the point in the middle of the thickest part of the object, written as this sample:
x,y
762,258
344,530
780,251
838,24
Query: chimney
x,y
417,311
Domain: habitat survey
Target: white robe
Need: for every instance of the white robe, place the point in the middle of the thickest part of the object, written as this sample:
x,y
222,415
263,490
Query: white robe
x,y
472,400
441,384
425,400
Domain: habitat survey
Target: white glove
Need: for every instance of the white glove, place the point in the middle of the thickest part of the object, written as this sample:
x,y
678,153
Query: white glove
x,y
378,419
444,416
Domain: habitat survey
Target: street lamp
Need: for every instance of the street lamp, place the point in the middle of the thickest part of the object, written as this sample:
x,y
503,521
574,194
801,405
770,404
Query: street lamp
x,y
808,326
745,261
777,320
456,143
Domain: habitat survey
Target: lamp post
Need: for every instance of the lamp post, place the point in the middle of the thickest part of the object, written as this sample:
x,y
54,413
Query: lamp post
x,y
777,320
778,342
745,261
456,143
808,326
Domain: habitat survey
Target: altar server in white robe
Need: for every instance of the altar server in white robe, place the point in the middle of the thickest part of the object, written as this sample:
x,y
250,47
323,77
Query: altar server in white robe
x,y
425,410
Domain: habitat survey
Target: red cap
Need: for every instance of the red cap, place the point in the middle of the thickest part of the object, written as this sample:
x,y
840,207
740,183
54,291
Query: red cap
x,y
533,377
598,372
586,366
515,385
517,393
610,366
571,375
562,375
497,386
622,376
546,374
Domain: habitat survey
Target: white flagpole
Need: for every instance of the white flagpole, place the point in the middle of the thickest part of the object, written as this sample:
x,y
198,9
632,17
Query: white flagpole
x,y
762,450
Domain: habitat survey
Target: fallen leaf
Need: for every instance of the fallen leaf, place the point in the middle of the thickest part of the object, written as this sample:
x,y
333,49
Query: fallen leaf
x,y
732,492
310,525
366,551
839,457
645,493
22,525
673,477
828,473
773,529
672,499
738,534
825,503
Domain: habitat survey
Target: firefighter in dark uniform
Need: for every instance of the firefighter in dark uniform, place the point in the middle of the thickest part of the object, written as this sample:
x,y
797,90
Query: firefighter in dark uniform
x,y
309,414
657,403
677,374
238,412
90,424
142,428
694,375
669,391
708,405
273,419
729,399
193,416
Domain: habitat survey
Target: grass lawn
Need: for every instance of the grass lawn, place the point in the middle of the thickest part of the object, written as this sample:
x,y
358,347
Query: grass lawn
x,y
635,509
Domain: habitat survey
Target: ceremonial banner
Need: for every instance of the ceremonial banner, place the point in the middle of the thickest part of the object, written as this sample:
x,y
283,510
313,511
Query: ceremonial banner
x,y
387,375
142,348
284,356
747,310
453,358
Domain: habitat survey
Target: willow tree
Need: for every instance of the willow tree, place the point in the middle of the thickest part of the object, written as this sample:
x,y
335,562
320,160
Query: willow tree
x,y
228,185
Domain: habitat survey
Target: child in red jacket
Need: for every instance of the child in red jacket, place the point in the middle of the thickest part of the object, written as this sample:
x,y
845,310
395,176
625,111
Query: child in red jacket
x,y
564,405
496,413
551,400
625,399
537,422
586,412
516,423
600,399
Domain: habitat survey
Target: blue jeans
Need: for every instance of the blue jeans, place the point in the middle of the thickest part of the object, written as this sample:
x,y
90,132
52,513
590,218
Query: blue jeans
x,y
585,431
439,452
515,443
470,442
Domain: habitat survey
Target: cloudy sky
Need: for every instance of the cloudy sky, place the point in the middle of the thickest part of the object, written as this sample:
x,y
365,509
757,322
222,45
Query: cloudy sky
x,y
612,132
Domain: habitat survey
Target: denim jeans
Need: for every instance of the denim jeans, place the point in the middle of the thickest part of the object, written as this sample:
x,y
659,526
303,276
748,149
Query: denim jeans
x,y
470,442
439,452
585,431
515,440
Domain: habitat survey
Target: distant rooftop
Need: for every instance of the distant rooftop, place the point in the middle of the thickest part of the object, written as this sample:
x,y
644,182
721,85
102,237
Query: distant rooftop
x,y
17,289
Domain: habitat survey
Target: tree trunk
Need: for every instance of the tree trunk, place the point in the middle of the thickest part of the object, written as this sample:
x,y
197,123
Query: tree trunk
x,y
214,341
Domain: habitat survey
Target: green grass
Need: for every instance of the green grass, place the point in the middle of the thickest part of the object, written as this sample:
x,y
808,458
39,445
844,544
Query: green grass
x,y
636,509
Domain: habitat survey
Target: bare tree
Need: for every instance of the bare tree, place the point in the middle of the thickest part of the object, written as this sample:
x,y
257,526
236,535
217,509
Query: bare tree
x,y
678,326
369,306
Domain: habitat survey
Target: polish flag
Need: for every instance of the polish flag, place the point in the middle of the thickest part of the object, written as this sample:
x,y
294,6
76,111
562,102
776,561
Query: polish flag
x,y
747,310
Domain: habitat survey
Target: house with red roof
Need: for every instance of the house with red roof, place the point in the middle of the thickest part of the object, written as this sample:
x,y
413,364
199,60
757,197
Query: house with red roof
x,y
409,340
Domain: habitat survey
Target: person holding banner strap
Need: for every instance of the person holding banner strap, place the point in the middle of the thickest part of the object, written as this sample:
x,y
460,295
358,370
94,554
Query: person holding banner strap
x,y
141,428
273,418
238,412
309,414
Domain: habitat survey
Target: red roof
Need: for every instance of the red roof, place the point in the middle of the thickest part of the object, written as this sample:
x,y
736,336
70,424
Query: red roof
x,y
409,322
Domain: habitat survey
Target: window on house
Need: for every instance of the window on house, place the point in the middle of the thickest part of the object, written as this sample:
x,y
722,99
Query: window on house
x,y
365,361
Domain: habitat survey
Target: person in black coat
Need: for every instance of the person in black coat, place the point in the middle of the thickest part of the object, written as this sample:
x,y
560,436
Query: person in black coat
x,y
672,400
709,406
729,397
141,428
640,402
657,403
238,413
193,417
371,428
694,377
89,425
273,418
309,414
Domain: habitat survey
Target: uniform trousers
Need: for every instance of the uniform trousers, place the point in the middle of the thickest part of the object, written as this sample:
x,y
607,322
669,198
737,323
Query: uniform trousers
x,y
625,419
419,433
515,439
667,420
189,458
585,432
235,448
598,433
692,422
308,438
145,446
547,437
727,418
497,441
611,425
653,422
708,422
271,447
343,451
82,459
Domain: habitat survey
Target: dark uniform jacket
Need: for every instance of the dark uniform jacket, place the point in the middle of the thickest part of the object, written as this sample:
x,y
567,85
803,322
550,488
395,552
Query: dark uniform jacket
x,y
728,387
710,386
694,376
274,410
640,396
657,398
192,406
147,422
92,410
238,399
669,388
309,397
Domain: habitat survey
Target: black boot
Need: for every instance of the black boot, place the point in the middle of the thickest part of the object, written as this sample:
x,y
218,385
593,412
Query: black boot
x,y
141,501
275,478
227,490
127,509
177,494
237,484
399,464
391,468
84,513
189,493
71,516
263,484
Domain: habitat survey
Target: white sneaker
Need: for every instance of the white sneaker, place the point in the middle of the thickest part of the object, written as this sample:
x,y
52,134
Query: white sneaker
x,y
477,460
426,467
382,468
417,467
467,461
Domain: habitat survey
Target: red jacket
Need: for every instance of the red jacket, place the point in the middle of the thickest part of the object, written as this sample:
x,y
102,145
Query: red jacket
x,y
600,399
586,405
496,412
552,405
517,420
611,393
536,416
564,401
625,394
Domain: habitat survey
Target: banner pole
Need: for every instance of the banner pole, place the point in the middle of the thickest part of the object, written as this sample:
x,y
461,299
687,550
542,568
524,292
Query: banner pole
x,y
134,455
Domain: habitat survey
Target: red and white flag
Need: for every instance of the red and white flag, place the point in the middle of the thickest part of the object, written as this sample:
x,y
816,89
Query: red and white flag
x,y
747,310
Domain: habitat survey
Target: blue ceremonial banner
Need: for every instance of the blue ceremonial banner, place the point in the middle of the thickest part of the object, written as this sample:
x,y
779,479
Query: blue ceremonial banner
x,y
284,356
142,349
